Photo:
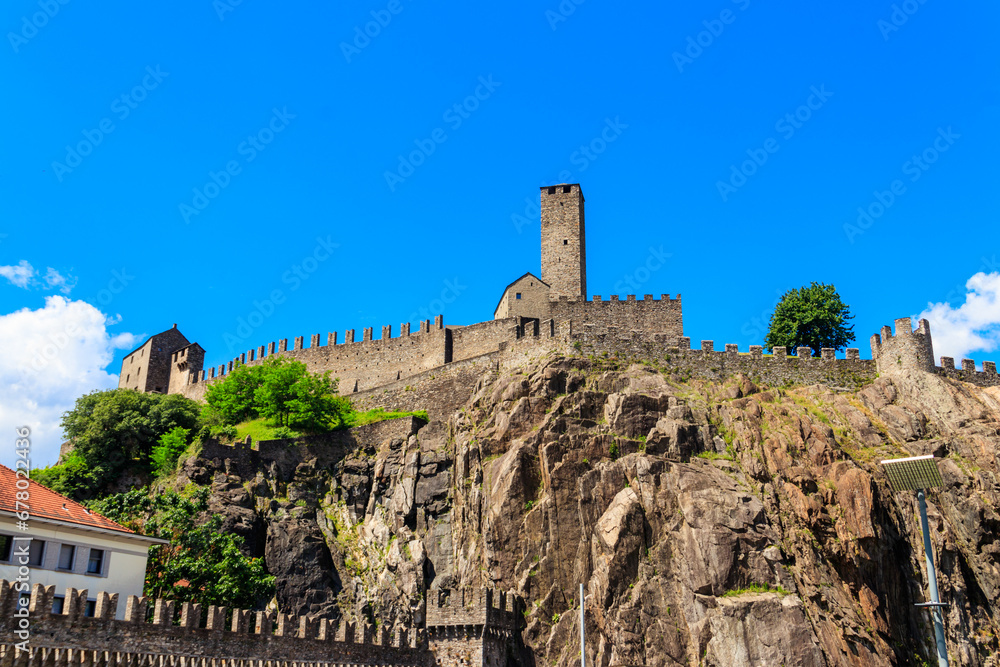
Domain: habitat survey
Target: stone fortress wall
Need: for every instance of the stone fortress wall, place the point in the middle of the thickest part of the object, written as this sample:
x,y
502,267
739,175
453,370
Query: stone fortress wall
x,y
160,632
540,315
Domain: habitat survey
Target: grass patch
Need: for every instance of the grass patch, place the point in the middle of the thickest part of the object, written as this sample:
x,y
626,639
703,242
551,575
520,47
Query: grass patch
x,y
380,415
714,456
259,429
756,588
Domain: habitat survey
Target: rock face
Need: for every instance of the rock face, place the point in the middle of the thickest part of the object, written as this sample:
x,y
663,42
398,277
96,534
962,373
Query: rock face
x,y
712,524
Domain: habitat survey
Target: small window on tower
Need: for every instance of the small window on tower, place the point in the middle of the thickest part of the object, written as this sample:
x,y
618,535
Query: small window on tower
x,y
552,190
565,241
518,296
567,188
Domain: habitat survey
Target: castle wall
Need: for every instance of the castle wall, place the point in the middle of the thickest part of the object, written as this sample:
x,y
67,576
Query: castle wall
x,y
359,365
967,372
479,339
440,391
661,315
178,630
684,362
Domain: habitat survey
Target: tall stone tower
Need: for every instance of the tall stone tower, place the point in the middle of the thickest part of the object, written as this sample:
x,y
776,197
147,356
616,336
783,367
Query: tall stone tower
x,y
564,243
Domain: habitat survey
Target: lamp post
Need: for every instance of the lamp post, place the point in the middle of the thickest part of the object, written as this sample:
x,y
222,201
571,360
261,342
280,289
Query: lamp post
x,y
918,473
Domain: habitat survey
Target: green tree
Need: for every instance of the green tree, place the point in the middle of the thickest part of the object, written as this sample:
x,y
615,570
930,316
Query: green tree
x,y
233,400
113,431
282,391
201,563
315,405
278,388
813,316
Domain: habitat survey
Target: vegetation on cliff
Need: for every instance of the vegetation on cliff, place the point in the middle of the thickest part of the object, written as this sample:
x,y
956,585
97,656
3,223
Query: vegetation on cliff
x,y
201,563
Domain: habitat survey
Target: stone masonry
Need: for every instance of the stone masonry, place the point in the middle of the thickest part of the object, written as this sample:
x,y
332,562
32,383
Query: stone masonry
x,y
536,315
480,629
564,241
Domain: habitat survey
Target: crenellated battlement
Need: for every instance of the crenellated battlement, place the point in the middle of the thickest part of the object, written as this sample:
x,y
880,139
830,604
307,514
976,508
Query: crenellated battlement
x,y
360,364
163,627
910,350
466,607
905,351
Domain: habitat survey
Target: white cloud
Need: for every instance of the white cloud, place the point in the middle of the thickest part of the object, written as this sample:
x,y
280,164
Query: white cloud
x,y
972,326
24,275
19,275
55,354
54,279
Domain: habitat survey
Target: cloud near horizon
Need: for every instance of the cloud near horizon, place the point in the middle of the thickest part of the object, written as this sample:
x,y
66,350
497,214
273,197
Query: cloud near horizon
x,y
973,326
62,352
23,275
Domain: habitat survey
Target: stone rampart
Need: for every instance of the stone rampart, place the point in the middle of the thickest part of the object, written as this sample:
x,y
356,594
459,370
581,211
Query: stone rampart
x,y
661,315
359,365
247,457
479,339
154,628
440,391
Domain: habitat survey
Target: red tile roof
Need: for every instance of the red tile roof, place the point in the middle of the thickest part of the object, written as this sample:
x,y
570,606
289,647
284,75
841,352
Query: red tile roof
x,y
44,503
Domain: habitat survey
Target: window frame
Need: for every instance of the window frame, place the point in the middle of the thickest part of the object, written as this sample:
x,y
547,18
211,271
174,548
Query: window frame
x,y
72,558
90,560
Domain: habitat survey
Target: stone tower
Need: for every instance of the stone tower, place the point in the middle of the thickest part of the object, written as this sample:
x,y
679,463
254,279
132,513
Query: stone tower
x,y
564,244
905,352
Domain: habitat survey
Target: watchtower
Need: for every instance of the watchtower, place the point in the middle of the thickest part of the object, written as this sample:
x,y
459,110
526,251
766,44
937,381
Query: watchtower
x,y
908,350
564,243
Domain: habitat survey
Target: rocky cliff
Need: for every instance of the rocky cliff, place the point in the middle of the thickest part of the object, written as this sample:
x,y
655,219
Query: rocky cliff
x,y
712,524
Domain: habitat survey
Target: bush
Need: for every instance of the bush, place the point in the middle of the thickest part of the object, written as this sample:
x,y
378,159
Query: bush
x,y
199,552
168,451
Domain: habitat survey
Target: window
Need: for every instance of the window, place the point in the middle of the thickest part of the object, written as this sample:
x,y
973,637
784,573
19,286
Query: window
x,y
37,554
66,554
6,543
90,609
96,563
127,376
565,241
518,296
567,188
58,604
552,190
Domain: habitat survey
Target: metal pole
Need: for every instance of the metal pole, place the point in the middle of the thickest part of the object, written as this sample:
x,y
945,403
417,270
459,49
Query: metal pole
x,y
942,647
583,645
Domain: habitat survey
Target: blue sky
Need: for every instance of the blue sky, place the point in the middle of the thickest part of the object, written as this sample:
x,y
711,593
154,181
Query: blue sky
x,y
176,163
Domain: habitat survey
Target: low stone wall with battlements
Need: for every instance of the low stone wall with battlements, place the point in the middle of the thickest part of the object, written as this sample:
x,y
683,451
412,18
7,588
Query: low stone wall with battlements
x,y
158,630
462,628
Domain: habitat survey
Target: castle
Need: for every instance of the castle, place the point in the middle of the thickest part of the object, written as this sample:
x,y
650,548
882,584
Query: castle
x,y
536,315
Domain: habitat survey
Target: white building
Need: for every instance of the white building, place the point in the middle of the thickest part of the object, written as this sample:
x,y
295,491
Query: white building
x,y
68,545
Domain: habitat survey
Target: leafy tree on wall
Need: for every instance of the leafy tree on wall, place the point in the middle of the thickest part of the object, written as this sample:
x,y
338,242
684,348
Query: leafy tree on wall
x,y
813,316
281,390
